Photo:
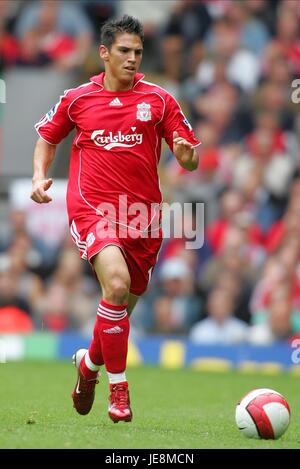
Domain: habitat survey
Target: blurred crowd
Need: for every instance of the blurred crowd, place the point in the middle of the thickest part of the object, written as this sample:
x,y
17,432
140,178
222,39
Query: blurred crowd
x,y
232,65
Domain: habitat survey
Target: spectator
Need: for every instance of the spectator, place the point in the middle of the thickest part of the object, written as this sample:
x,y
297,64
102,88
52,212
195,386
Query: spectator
x,y
220,105
272,96
28,286
281,268
9,47
182,39
99,11
239,284
278,321
70,296
253,33
9,295
242,65
231,211
176,307
37,255
220,327
54,31
233,260
276,168
286,227
264,12
286,44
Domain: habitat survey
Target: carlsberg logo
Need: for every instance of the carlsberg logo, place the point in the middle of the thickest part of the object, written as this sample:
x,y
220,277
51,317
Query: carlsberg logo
x,y
118,139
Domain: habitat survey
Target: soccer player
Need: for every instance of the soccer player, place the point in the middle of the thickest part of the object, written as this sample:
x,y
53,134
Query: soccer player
x,y
120,121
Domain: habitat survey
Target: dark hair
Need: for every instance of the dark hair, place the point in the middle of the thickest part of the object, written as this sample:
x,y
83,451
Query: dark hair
x,y
127,24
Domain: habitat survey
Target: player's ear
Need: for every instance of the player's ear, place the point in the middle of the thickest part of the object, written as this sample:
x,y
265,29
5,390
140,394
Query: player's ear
x,y
103,52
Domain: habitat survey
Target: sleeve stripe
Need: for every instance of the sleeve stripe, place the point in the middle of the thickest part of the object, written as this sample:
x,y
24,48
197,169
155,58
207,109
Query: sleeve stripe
x,y
41,122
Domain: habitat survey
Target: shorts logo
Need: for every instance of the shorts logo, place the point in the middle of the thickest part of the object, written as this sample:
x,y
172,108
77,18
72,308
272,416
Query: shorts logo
x,y
90,239
143,112
118,139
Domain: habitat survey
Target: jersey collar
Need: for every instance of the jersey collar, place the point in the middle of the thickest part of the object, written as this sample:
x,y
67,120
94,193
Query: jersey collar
x,y
98,79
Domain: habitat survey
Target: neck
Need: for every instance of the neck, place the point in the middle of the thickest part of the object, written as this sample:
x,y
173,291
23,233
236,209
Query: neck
x,y
113,84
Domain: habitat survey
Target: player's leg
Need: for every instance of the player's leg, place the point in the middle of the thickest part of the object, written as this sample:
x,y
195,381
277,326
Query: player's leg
x,y
87,362
112,267
113,275
112,326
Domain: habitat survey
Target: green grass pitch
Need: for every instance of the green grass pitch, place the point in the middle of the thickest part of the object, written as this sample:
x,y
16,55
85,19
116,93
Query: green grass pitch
x,y
185,409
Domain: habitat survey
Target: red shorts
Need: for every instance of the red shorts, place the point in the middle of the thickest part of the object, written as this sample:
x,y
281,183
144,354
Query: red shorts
x,y
93,233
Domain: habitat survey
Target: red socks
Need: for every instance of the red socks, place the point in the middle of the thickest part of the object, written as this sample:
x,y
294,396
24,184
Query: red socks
x,y
93,359
110,342
95,351
113,330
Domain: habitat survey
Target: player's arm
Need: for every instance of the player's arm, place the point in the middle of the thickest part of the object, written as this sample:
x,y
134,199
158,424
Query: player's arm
x,y
52,128
179,134
184,152
43,156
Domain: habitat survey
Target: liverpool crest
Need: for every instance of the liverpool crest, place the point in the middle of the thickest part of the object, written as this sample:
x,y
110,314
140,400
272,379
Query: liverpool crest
x,y
143,112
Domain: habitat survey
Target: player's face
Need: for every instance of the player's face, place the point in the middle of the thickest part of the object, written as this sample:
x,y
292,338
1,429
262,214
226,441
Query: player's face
x,y
124,57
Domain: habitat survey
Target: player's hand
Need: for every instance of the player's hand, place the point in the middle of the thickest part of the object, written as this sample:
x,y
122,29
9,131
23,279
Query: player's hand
x,y
182,149
39,188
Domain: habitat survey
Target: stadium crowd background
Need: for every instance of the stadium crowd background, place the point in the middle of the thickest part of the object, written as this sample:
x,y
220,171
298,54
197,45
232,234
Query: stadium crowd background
x,y
231,65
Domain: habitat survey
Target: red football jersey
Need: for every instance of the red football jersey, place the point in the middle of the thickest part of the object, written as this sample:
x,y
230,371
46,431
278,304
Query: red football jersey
x,y
118,142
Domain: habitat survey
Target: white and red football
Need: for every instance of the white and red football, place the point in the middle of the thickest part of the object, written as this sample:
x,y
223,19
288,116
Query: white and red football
x,y
263,413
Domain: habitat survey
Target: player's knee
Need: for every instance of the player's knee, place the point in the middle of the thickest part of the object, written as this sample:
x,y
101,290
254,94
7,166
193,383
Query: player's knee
x,y
117,290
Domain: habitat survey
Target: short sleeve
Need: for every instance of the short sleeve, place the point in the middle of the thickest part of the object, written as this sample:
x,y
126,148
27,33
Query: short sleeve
x,y
56,124
174,119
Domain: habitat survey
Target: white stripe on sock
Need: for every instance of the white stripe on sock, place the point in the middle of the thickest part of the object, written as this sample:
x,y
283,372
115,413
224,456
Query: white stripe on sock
x,y
90,365
114,313
115,378
111,310
111,318
100,311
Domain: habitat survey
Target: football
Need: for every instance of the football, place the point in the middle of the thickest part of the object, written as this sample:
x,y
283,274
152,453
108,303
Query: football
x,y
263,413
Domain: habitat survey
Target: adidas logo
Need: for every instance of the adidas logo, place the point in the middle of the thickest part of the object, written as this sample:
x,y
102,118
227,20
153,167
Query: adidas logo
x,y
115,102
113,330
